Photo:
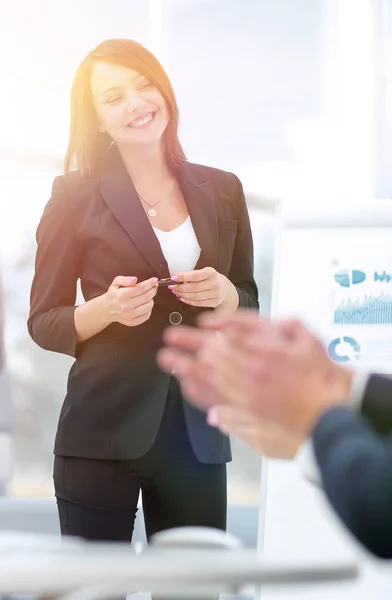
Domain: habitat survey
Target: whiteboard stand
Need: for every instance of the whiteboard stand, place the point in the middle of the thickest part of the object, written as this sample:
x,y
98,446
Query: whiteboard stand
x,y
262,521
372,218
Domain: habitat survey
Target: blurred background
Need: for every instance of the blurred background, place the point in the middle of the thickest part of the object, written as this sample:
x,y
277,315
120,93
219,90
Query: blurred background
x,y
294,96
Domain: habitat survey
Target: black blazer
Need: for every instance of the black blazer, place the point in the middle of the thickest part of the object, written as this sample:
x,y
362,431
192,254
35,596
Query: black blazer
x,y
354,454
93,230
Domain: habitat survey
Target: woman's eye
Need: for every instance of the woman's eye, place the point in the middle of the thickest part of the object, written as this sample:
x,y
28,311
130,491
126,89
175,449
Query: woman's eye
x,y
145,85
113,100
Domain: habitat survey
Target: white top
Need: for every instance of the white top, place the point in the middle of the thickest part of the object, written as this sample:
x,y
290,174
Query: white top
x,y
180,247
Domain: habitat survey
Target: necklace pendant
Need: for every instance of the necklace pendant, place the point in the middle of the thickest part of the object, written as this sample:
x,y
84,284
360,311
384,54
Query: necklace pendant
x,y
152,212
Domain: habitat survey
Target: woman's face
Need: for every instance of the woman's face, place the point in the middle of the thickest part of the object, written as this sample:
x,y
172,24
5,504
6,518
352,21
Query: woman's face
x,y
130,109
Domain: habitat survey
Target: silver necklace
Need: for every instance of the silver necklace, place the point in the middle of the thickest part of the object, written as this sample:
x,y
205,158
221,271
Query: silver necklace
x,y
151,211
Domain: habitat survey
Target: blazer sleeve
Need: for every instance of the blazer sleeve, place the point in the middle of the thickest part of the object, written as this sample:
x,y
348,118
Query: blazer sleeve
x,y
355,466
53,291
377,403
242,267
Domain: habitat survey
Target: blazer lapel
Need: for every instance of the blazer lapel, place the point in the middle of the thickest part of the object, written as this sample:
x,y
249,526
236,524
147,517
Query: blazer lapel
x,y
122,199
199,197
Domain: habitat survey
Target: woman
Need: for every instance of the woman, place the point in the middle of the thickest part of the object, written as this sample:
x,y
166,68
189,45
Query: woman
x,y
134,212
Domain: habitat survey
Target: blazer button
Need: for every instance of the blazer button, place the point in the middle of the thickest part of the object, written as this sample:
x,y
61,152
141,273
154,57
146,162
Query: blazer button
x,y
175,318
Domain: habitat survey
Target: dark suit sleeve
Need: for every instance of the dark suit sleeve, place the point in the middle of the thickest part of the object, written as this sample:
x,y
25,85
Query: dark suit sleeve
x,y
356,469
377,404
242,266
53,292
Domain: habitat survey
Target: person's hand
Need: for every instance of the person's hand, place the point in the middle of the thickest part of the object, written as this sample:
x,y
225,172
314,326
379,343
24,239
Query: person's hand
x,y
130,303
292,380
205,288
261,435
211,369
281,372
203,362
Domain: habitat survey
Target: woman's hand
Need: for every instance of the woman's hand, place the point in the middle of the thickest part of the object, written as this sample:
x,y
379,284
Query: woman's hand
x,y
205,288
130,303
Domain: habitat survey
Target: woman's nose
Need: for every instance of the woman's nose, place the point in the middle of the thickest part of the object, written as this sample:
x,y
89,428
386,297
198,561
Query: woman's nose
x,y
134,101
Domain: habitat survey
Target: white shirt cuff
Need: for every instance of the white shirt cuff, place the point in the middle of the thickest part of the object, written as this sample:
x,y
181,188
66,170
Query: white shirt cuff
x,y
305,456
357,391
307,463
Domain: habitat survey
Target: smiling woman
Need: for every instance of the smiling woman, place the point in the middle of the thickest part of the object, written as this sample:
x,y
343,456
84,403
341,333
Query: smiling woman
x,y
119,88
133,212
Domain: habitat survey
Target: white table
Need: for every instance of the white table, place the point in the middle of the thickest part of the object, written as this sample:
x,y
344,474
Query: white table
x,y
32,564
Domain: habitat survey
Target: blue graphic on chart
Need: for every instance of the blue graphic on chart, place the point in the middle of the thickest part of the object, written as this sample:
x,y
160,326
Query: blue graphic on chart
x,y
344,349
361,321
348,277
366,310
363,297
372,349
